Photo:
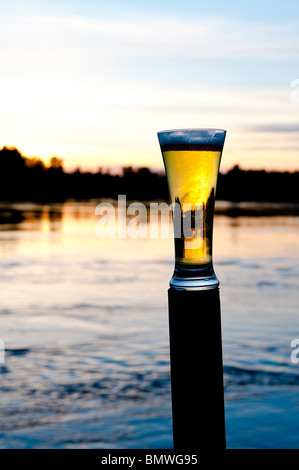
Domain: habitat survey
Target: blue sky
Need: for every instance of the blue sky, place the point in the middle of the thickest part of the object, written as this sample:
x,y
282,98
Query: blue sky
x,y
92,82
256,10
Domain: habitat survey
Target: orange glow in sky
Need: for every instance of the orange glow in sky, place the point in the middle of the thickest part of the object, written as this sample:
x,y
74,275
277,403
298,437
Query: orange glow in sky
x,y
94,91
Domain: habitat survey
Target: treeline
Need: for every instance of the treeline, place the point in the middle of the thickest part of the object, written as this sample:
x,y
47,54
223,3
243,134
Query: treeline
x,y
28,179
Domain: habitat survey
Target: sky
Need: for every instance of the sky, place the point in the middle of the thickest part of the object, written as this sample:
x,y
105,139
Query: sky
x,y
93,81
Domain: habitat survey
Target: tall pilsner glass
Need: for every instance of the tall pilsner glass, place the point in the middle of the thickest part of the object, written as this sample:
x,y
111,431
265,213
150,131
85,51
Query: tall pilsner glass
x,y
192,159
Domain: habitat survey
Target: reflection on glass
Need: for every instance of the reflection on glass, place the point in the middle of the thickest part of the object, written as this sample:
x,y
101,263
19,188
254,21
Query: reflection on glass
x,y
192,159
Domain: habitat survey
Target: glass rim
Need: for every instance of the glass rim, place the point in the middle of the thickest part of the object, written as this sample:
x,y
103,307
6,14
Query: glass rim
x,y
191,129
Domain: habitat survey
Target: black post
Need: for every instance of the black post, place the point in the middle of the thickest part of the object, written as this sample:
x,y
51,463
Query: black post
x,y
196,370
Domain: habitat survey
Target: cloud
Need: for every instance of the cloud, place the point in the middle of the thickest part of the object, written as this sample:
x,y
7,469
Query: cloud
x,y
205,37
152,36
274,128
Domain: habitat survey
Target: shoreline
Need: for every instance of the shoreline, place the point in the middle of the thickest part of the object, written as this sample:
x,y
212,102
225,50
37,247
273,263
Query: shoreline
x,y
15,211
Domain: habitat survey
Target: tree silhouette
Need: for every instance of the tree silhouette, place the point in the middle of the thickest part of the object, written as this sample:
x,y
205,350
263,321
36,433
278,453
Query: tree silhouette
x,y
29,179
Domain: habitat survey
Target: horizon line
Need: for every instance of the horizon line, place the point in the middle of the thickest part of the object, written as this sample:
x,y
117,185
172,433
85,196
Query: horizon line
x,y
117,169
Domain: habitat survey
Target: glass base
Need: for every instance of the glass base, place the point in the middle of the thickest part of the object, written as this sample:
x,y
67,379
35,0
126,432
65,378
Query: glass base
x,y
194,279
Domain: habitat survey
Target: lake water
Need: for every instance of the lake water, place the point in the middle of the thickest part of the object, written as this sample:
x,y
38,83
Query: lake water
x,y
85,326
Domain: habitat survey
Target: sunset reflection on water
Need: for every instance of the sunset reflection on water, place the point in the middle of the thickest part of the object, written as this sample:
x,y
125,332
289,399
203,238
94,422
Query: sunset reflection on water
x,y
85,325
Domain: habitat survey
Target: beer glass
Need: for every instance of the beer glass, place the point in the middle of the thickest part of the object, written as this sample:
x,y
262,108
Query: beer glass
x,y
192,159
